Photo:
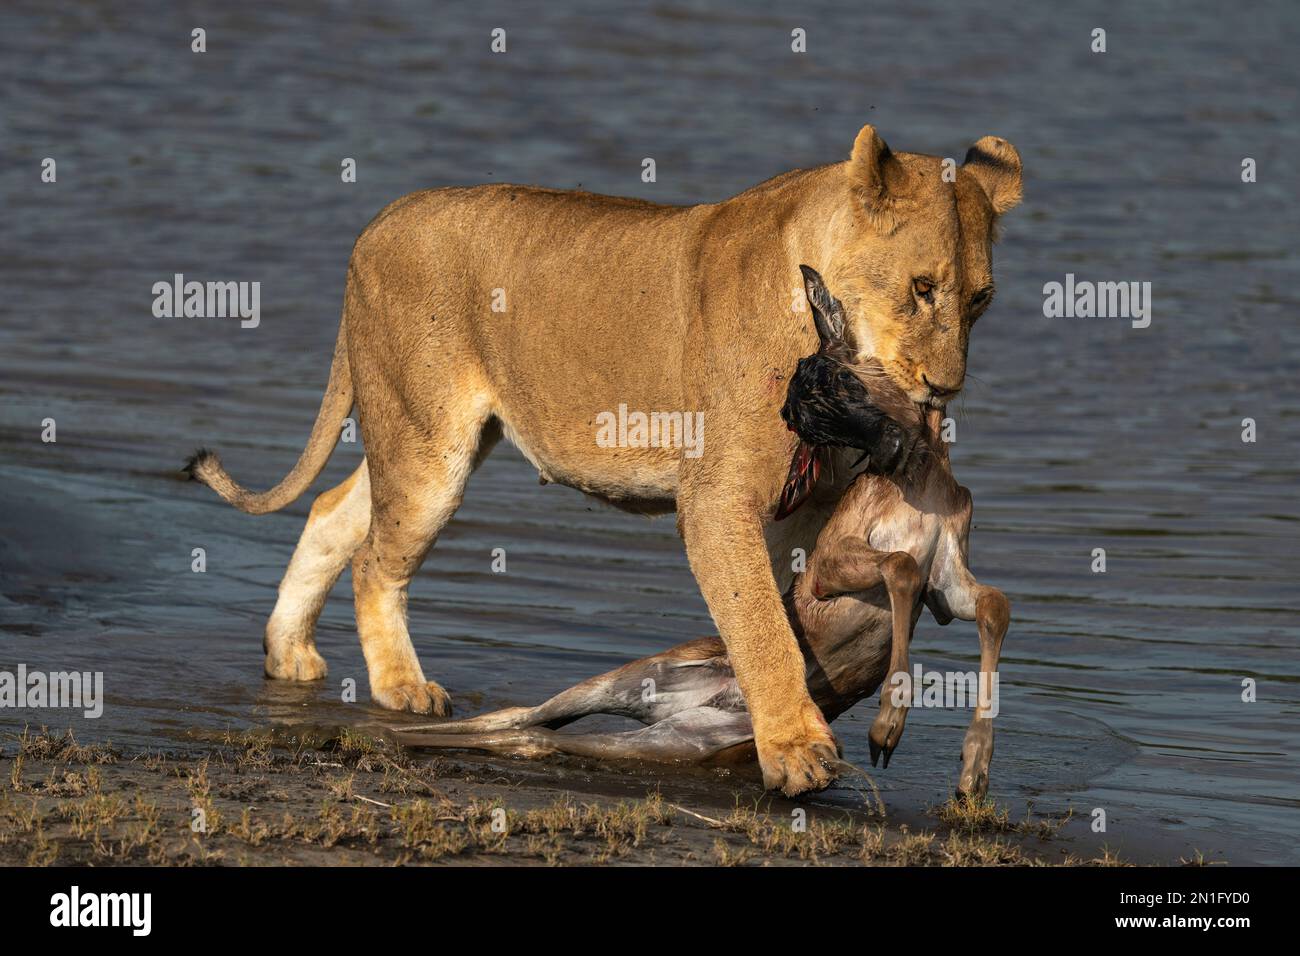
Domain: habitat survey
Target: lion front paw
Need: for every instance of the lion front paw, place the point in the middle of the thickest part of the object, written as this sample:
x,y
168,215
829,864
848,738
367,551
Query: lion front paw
x,y
800,763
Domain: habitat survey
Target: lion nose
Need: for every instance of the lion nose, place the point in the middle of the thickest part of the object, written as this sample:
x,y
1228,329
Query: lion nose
x,y
940,391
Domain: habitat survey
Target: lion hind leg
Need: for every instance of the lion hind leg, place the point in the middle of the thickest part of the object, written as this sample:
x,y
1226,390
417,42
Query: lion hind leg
x,y
337,526
418,473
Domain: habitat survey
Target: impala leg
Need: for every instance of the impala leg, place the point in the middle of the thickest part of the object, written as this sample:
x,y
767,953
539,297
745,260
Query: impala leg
x,y
848,566
903,582
599,695
690,736
992,616
650,689
955,593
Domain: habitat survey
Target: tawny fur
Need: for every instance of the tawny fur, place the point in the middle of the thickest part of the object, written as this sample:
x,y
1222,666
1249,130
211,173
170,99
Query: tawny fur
x,y
610,301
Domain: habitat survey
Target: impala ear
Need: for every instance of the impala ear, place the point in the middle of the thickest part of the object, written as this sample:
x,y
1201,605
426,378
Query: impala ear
x,y
995,164
828,311
869,172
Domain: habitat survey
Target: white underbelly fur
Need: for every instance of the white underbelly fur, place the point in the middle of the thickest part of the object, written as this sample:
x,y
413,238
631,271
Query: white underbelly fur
x,y
910,531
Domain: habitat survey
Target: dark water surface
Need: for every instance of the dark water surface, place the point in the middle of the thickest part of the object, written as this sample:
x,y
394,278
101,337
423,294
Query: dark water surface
x,y
1120,690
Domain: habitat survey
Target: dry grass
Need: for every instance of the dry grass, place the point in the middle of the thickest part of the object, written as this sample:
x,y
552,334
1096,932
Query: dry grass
x,y
354,799
969,815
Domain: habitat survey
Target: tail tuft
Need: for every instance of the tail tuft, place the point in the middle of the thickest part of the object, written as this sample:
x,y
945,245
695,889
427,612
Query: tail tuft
x,y
203,460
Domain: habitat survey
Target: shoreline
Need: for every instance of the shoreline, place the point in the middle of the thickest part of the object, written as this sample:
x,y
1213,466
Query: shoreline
x,y
359,800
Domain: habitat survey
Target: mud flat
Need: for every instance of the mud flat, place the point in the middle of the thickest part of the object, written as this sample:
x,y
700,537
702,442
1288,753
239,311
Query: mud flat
x,y
359,800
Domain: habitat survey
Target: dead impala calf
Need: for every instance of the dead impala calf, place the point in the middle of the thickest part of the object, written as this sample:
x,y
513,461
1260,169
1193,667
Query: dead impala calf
x,y
892,545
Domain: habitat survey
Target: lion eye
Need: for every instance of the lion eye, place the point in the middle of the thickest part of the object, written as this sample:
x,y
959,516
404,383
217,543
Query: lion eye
x,y
924,289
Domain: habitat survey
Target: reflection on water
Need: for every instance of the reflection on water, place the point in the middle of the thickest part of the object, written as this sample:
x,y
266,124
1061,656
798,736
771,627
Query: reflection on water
x,y
1120,690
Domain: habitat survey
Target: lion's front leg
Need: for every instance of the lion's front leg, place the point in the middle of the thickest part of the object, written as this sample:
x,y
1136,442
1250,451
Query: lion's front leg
x,y
726,549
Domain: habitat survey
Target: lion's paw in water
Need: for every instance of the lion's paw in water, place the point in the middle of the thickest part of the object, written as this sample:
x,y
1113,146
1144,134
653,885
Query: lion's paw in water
x,y
294,662
418,697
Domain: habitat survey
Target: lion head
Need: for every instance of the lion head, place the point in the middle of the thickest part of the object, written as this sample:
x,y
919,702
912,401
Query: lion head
x,y
914,263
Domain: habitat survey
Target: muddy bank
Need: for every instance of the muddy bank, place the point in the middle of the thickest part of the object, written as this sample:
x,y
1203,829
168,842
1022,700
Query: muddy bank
x,y
358,800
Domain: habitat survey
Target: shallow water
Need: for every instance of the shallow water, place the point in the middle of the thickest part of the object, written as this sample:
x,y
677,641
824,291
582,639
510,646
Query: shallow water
x,y
1119,690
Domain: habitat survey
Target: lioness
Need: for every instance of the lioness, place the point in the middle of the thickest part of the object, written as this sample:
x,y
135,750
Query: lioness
x,y
616,301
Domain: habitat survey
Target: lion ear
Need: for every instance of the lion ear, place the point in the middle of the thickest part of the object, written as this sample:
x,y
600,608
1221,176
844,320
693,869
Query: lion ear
x,y
867,168
867,163
995,164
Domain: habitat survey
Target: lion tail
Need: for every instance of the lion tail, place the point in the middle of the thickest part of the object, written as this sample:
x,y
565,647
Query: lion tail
x,y
206,467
